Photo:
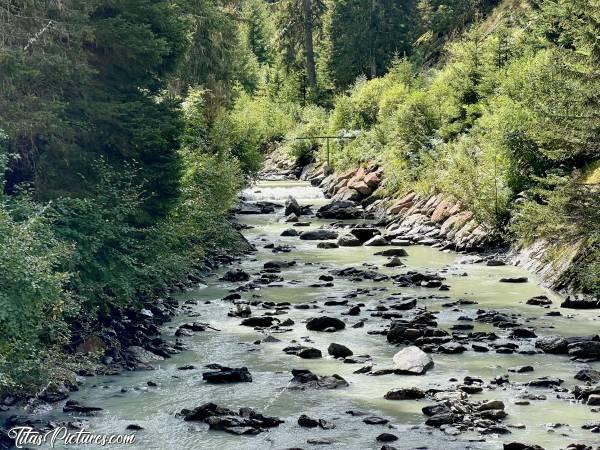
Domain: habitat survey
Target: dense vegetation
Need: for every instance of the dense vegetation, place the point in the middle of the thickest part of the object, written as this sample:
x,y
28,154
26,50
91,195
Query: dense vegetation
x,y
495,104
127,127
114,184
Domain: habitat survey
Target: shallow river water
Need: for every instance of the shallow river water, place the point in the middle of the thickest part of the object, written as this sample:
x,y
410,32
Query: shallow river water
x,y
154,408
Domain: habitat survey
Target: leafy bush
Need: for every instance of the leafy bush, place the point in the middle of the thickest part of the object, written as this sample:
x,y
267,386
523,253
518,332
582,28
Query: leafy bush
x,y
313,122
253,122
33,300
565,213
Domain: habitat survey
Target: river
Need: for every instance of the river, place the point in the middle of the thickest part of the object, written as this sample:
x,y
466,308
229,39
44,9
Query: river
x,y
127,398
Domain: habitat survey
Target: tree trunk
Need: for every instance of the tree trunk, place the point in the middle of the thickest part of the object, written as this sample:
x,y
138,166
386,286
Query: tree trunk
x,y
311,71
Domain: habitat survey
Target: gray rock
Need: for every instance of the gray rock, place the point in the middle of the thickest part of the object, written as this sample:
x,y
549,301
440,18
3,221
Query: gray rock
x,y
324,322
342,210
412,361
594,400
141,355
514,280
339,350
318,235
290,232
410,393
552,344
292,207
310,353
591,375
327,245
363,234
376,241
394,262
307,422
349,240
397,252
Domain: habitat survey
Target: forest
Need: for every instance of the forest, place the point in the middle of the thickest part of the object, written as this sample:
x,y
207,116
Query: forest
x,y
128,129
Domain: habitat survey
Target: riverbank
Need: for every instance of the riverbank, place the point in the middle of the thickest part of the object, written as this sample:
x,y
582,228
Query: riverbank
x,y
437,220
122,339
256,315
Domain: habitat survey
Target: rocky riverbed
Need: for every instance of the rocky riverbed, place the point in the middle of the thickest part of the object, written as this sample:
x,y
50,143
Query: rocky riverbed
x,y
340,333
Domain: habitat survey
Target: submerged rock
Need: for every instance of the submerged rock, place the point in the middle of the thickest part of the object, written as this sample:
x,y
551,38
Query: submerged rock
x,y
310,353
290,232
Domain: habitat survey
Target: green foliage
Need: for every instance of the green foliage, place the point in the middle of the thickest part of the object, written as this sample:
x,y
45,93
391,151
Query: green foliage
x,y
250,124
565,212
364,37
33,299
115,187
312,122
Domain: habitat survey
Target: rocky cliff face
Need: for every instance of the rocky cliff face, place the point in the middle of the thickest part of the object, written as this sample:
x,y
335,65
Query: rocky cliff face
x,y
433,220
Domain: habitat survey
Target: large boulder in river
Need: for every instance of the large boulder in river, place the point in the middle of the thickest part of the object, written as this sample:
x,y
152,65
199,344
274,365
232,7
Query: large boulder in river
x,y
376,241
409,393
292,207
349,240
246,421
342,210
235,276
591,375
318,235
305,379
339,350
363,234
572,303
584,349
324,322
412,361
227,375
309,353
552,344
260,321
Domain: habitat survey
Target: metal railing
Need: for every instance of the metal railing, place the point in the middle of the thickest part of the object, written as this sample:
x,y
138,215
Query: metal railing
x,y
327,138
